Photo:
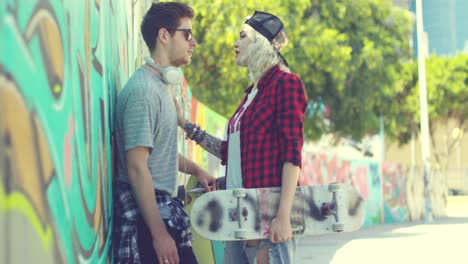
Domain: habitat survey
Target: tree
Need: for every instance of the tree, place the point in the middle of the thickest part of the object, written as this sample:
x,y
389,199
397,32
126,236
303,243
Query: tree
x,y
214,77
376,34
347,53
447,94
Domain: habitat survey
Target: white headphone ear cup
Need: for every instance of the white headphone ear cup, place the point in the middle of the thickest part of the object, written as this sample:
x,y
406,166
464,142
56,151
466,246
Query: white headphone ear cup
x,y
170,75
173,76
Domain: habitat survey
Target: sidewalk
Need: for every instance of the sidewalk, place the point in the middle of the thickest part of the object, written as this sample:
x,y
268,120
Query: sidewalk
x,y
443,241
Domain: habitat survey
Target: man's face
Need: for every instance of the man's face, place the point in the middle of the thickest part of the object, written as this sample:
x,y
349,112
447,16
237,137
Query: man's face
x,y
242,44
181,45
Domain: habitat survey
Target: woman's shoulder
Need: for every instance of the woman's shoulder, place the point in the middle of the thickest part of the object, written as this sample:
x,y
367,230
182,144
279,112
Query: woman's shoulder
x,y
285,73
286,76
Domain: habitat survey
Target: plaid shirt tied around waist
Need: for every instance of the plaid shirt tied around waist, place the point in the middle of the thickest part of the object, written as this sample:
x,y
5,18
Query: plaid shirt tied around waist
x,y
126,214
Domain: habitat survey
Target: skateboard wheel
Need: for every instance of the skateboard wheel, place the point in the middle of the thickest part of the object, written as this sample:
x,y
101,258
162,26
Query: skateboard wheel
x,y
239,193
338,227
334,187
240,234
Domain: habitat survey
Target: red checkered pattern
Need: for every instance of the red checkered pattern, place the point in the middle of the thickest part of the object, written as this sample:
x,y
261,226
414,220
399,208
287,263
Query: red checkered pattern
x,y
272,129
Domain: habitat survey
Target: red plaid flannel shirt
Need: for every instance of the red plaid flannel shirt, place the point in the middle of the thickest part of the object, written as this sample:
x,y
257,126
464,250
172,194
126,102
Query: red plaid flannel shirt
x,y
272,129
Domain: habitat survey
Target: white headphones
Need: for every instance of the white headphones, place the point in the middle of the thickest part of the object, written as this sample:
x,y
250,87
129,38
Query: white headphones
x,y
170,75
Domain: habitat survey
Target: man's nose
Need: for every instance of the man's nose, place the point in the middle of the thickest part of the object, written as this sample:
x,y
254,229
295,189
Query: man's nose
x,y
193,41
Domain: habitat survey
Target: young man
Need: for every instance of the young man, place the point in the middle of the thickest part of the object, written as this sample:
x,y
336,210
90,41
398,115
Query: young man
x,y
150,225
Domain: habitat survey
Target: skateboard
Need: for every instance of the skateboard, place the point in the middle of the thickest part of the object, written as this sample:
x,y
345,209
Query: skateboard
x,y
206,251
246,214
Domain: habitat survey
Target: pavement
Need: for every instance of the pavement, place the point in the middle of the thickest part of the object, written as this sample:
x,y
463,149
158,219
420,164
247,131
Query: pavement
x,y
444,240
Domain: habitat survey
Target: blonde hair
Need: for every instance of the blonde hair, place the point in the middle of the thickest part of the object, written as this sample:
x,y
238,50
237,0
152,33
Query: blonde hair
x,y
263,55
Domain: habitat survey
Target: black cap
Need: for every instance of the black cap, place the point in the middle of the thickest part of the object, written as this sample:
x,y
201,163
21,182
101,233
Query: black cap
x,y
266,24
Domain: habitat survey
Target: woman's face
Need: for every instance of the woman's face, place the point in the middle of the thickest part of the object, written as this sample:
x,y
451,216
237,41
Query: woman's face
x,y
242,44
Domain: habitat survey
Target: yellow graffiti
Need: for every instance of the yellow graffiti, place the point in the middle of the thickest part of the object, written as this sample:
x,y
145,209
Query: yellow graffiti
x,y
18,202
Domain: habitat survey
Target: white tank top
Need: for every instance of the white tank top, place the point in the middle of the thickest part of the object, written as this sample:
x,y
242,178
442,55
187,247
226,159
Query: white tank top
x,y
234,172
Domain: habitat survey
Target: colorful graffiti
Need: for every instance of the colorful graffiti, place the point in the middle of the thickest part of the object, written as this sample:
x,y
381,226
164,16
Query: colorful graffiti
x,y
394,192
61,65
320,168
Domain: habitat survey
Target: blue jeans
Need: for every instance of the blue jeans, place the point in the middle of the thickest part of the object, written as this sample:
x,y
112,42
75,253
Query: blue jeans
x,y
237,252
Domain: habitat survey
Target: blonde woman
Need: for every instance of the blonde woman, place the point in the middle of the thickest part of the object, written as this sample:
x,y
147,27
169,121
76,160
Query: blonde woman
x,y
264,135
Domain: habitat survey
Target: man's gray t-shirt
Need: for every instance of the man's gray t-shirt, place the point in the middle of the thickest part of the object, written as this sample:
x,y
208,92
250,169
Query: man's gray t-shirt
x,y
146,117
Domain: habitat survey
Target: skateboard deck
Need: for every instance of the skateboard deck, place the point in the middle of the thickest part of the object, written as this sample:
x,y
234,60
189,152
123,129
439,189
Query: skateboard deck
x,y
245,214
206,251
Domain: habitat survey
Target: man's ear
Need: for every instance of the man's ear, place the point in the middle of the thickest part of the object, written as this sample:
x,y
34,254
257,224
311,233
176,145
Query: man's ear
x,y
163,35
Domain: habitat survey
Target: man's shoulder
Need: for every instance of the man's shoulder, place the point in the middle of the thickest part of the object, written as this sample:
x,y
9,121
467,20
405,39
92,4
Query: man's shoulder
x,y
144,79
141,84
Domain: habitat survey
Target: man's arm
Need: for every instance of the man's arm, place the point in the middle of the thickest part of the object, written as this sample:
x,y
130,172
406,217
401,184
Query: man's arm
x,y
281,225
187,166
143,190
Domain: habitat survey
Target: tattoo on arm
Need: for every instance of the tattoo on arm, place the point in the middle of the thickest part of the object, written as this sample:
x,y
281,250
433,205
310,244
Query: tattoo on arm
x,y
212,145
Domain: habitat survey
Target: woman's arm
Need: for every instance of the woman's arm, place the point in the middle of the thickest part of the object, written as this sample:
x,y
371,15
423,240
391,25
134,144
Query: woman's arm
x,y
208,142
291,106
290,178
212,145
205,140
280,229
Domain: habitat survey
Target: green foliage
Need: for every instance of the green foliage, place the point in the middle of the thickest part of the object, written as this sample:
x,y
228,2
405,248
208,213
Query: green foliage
x,y
348,53
214,77
359,89
447,94
352,55
447,81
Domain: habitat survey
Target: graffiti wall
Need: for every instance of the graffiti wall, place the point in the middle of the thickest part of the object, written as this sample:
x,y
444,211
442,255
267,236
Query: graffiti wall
x,y
415,188
365,176
61,65
394,192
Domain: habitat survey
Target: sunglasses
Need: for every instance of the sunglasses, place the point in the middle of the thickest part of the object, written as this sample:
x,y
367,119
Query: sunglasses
x,y
187,32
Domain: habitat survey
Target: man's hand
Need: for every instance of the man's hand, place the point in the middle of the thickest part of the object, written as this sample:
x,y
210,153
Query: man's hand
x,y
206,180
166,249
280,229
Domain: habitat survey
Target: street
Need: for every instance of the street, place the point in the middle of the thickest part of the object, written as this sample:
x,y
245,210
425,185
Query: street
x,y
444,240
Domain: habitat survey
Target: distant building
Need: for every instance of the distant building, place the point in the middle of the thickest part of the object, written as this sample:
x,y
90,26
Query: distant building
x,y
446,24
445,34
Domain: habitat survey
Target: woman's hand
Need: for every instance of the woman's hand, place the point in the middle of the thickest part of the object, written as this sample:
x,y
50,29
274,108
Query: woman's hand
x,y
280,229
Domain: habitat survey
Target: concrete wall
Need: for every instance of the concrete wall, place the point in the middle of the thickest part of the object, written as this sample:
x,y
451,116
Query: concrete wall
x,y
453,165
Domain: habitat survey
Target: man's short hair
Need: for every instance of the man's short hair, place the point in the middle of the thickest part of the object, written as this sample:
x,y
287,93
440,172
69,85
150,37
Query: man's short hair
x,y
163,15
